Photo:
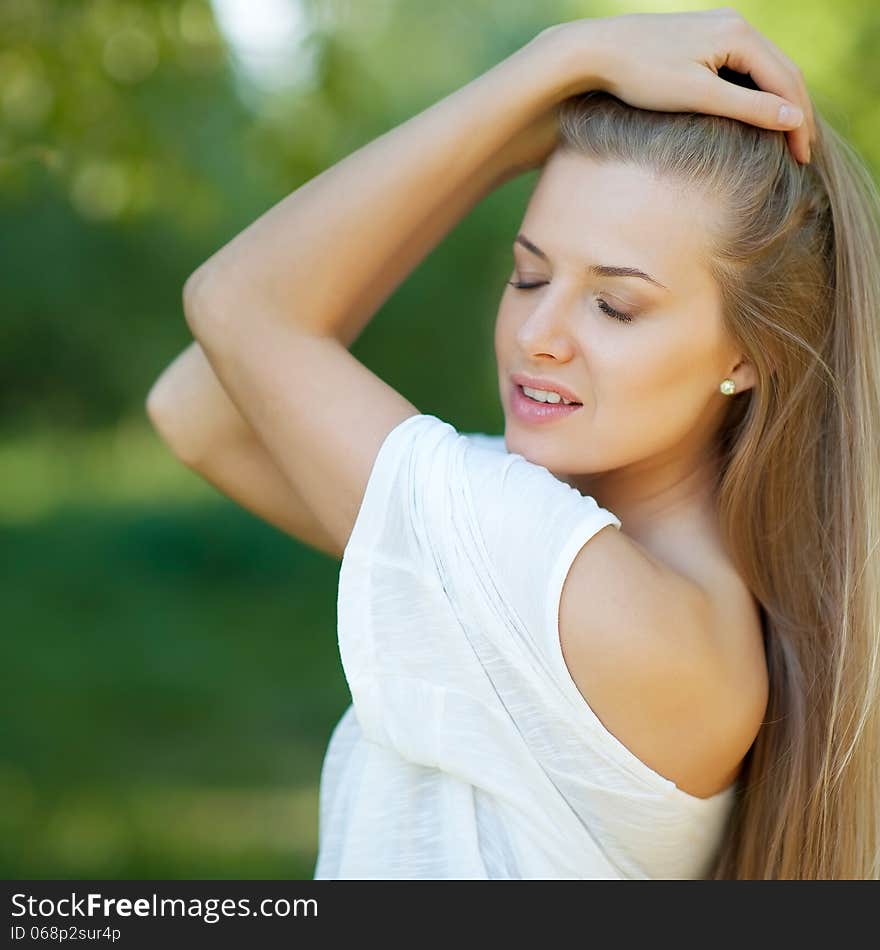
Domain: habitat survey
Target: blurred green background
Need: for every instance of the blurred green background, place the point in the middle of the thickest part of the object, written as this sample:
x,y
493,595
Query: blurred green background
x,y
171,666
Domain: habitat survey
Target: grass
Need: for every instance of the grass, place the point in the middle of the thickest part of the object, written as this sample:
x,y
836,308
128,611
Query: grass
x,y
172,667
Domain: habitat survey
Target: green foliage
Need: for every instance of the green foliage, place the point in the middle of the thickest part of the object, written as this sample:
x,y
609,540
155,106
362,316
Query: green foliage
x,y
176,679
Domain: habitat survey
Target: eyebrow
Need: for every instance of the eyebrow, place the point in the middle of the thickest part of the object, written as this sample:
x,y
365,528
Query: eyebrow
x,y
603,270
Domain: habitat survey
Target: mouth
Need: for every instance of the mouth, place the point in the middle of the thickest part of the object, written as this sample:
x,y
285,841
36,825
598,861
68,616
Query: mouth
x,y
547,385
571,404
530,410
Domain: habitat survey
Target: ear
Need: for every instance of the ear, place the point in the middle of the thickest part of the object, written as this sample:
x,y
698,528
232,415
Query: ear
x,y
744,374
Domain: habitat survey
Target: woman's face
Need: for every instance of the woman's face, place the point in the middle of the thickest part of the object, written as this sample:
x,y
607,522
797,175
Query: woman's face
x,y
649,386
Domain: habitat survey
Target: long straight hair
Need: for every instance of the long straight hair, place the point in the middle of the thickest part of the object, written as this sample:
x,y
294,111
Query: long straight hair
x,y
795,252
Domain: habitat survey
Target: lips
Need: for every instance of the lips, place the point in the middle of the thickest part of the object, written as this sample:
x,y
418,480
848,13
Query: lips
x,y
532,412
542,382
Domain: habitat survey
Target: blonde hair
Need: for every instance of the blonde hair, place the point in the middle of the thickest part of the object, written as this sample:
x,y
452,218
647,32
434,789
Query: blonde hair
x,y
795,251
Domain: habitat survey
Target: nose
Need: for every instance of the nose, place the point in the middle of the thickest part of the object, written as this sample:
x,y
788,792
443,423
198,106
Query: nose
x,y
546,327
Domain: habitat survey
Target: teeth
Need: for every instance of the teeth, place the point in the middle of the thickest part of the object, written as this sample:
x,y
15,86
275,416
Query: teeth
x,y
545,395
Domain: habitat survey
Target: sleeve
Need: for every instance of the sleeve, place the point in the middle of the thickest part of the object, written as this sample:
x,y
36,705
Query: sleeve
x,y
494,442
490,532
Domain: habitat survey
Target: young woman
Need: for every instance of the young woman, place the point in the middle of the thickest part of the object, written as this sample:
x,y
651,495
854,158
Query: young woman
x,y
689,354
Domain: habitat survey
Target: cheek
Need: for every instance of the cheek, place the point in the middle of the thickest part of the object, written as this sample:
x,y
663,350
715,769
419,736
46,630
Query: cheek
x,y
658,361
644,384
661,396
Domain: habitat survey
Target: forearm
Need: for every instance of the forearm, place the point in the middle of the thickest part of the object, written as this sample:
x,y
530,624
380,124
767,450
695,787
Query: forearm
x,y
328,255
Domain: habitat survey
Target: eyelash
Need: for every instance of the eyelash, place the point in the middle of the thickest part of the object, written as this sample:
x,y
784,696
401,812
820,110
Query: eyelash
x,y
606,308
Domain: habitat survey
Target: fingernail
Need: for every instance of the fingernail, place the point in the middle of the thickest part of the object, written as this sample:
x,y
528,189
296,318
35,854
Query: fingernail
x,y
790,115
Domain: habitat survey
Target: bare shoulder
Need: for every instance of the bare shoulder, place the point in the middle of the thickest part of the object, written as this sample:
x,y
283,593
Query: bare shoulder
x,y
671,661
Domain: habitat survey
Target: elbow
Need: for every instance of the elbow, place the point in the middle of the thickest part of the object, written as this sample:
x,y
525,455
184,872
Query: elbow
x,y
170,427
195,306
163,415
208,307
155,405
158,412
213,301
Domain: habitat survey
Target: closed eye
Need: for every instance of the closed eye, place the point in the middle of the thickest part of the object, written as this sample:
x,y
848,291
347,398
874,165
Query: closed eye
x,y
606,308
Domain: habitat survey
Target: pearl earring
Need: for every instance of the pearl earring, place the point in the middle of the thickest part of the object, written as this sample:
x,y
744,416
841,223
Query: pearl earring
x,y
728,387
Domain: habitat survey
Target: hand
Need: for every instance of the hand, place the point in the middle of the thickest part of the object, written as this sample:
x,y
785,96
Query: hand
x,y
669,62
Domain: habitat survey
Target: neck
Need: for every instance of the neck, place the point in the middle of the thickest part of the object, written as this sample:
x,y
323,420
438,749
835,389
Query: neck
x,y
655,497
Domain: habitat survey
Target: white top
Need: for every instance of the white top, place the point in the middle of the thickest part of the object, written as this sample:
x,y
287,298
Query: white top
x,y
468,750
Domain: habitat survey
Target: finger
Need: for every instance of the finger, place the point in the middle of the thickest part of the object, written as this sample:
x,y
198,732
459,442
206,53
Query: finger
x,y
801,138
773,72
719,96
756,107
753,106
803,99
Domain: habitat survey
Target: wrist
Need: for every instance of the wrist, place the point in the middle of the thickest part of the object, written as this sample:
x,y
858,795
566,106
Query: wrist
x,y
559,62
570,57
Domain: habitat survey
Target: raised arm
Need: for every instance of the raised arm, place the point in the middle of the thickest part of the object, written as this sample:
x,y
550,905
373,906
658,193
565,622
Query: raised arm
x,y
330,253
356,220
195,416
